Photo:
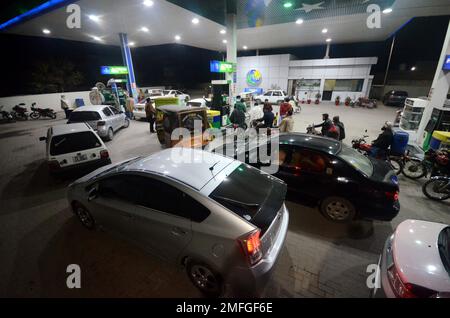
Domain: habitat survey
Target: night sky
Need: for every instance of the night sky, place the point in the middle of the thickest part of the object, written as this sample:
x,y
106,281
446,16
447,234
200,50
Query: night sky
x,y
186,67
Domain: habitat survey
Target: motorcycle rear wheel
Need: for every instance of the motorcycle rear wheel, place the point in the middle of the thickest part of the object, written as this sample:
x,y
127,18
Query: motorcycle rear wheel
x,y
415,169
397,165
437,189
35,116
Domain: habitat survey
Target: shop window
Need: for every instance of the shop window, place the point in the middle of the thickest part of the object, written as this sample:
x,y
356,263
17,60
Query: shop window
x,y
308,84
355,85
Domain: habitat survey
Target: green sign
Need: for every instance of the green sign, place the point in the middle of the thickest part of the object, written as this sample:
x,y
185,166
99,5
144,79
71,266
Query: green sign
x,y
222,67
114,70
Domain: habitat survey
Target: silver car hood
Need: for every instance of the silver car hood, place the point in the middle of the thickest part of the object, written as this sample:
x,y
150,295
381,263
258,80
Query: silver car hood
x,y
416,255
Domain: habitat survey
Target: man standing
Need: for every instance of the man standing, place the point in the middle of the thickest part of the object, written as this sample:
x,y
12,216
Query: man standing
x,y
238,118
287,124
241,105
150,112
285,107
340,126
65,106
129,107
267,106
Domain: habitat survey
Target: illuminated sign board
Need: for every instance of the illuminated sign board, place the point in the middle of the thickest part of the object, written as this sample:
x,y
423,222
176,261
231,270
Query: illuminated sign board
x,y
446,66
222,67
254,78
114,70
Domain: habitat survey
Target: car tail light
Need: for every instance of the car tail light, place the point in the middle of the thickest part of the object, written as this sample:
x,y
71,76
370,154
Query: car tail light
x,y
402,289
251,244
393,196
104,154
53,165
101,123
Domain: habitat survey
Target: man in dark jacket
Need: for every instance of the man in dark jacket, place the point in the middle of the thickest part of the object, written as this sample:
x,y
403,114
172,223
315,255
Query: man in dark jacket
x,y
340,126
237,117
381,145
326,125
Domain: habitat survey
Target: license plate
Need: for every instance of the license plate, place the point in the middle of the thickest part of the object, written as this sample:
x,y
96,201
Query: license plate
x,y
80,158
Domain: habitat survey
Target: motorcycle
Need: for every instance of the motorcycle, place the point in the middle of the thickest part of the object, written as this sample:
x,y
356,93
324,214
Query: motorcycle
x,y
7,116
20,112
364,148
437,188
41,112
311,130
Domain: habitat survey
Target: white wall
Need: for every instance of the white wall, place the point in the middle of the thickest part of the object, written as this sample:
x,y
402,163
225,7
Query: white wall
x,y
44,100
274,70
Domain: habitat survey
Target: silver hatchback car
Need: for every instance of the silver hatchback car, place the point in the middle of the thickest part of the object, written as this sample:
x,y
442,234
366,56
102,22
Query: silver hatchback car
x,y
105,120
224,222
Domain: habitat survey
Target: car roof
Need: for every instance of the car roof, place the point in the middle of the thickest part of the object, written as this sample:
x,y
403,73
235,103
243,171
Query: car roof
x,y
313,142
195,172
177,108
93,108
70,129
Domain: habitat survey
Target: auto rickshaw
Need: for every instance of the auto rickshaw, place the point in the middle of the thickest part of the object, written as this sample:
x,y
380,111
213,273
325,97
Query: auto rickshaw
x,y
170,117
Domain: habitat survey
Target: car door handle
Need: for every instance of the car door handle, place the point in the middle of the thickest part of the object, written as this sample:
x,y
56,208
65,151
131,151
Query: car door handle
x,y
178,232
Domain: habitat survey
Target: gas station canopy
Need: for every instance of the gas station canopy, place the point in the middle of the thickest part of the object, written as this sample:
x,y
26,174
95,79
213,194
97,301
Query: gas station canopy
x,y
261,23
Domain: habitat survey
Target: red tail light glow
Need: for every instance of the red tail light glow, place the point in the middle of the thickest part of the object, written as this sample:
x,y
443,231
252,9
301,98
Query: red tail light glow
x,y
394,196
104,154
251,244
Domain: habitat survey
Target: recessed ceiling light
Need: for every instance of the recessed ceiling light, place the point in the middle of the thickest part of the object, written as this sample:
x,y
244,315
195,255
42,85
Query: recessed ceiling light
x,y
387,11
131,43
145,29
325,31
46,31
413,68
148,3
245,47
177,38
329,40
94,18
224,41
287,4
299,21
96,38
223,32
195,21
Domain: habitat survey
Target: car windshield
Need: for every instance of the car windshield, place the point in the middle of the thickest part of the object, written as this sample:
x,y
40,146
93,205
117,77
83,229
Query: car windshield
x,y
255,204
357,160
400,93
444,248
84,116
166,92
74,143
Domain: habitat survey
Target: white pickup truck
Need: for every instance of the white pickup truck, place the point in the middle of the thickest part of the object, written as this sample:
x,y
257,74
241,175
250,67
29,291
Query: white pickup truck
x,y
274,97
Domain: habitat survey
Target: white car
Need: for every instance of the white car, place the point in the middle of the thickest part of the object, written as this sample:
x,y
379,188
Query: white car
x,y
199,102
416,261
274,97
74,146
174,93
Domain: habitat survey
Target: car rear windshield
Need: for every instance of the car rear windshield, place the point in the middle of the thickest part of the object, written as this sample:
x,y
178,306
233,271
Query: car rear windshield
x,y
77,117
252,195
444,248
357,160
73,143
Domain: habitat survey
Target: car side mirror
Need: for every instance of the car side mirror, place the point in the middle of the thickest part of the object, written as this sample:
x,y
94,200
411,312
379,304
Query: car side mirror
x,y
93,194
43,139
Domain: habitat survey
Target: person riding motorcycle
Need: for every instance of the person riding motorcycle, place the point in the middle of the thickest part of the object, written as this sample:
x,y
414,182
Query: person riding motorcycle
x,y
266,121
326,125
381,145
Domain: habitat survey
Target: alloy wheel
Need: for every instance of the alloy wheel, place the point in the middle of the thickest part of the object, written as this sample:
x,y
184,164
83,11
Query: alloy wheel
x,y
204,279
338,210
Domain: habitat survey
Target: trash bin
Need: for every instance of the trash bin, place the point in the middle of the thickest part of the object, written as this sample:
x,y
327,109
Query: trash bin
x,y
439,138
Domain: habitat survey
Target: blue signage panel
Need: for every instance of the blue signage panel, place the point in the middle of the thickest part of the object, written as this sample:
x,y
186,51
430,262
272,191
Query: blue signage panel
x,y
215,66
446,66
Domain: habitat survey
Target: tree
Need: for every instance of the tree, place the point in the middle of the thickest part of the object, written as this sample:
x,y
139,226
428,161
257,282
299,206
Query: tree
x,y
55,77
